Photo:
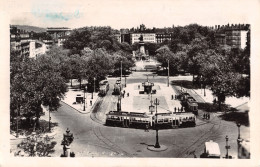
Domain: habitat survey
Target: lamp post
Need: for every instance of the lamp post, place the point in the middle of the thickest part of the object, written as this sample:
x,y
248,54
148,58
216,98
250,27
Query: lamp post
x,y
94,88
157,145
227,147
67,140
125,80
238,125
119,101
84,100
121,71
17,134
49,119
168,73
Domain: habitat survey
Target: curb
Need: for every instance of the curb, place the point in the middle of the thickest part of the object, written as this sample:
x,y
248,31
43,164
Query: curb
x,y
75,108
198,95
79,110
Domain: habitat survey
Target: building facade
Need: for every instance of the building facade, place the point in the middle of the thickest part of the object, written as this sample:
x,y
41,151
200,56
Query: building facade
x,y
58,32
24,43
147,37
235,35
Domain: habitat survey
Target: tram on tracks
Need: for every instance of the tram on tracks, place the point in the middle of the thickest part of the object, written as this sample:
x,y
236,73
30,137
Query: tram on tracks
x,y
104,87
117,87
142,120
189,102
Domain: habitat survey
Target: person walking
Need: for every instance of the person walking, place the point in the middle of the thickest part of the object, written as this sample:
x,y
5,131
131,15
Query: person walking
x,y
90,102
146,128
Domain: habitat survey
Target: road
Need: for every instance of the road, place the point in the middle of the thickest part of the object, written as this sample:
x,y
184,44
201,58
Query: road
x,y
92,138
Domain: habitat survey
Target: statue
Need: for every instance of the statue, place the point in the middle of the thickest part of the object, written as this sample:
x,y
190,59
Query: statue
x,y
141,38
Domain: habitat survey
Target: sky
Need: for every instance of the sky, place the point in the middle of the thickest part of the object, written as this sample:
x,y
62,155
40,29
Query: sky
x,y
130,13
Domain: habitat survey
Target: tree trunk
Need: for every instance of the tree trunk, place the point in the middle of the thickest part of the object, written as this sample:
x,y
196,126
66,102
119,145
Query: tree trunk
x,y
219,104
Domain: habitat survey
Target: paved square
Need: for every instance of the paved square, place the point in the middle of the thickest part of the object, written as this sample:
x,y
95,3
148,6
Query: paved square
x,y
142,103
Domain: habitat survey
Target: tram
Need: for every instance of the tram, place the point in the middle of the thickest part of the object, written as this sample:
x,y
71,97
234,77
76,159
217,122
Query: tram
x,y
190,104
142,120
104,87
117,87
128,120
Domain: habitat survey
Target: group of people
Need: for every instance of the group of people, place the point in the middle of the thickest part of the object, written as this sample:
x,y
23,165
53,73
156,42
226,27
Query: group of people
x,y
206,116
123,94
179,109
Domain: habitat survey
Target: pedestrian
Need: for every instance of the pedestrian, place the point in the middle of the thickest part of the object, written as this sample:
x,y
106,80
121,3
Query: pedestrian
x,y
181,109
138,86
90,102
209,116
172,97
146,128
203,115
175,109
127,94
178,109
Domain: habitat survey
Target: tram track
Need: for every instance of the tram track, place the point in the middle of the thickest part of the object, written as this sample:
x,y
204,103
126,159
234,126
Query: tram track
x,y
201,140
112,146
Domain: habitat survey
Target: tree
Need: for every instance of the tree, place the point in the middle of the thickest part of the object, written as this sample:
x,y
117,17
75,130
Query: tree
x,y
33,83
98,66
78,68
224,84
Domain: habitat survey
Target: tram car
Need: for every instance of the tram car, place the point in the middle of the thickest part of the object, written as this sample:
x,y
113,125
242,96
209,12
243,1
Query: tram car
x,y
142,121
190,104
128,119
168,120
117,87
104,87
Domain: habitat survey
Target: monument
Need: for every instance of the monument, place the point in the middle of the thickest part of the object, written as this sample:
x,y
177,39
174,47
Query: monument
x,y
141,45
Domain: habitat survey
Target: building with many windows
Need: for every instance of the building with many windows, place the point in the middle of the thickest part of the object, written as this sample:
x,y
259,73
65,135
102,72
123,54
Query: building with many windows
x,y
147,37
58,32
232,35
23,42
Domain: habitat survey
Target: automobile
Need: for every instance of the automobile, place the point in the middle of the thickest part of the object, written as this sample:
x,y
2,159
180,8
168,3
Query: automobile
x,y
211,150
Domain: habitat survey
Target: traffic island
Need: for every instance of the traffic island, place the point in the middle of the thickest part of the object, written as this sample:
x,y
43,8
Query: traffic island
x,y
153,148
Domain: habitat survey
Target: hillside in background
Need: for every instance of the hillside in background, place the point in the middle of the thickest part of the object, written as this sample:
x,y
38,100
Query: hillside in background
x,y
31,28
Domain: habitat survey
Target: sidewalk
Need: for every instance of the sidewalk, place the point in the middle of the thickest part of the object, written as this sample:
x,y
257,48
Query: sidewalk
x,y
70,98
232,101
140,102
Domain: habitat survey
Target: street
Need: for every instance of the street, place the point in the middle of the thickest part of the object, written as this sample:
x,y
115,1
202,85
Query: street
x,y
93,138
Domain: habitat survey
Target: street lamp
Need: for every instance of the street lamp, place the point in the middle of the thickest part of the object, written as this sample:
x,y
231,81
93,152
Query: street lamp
x,y
168,73
121,71
238,125
227,147
94,88
119,101
49,118
84,100
67,140
157,145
